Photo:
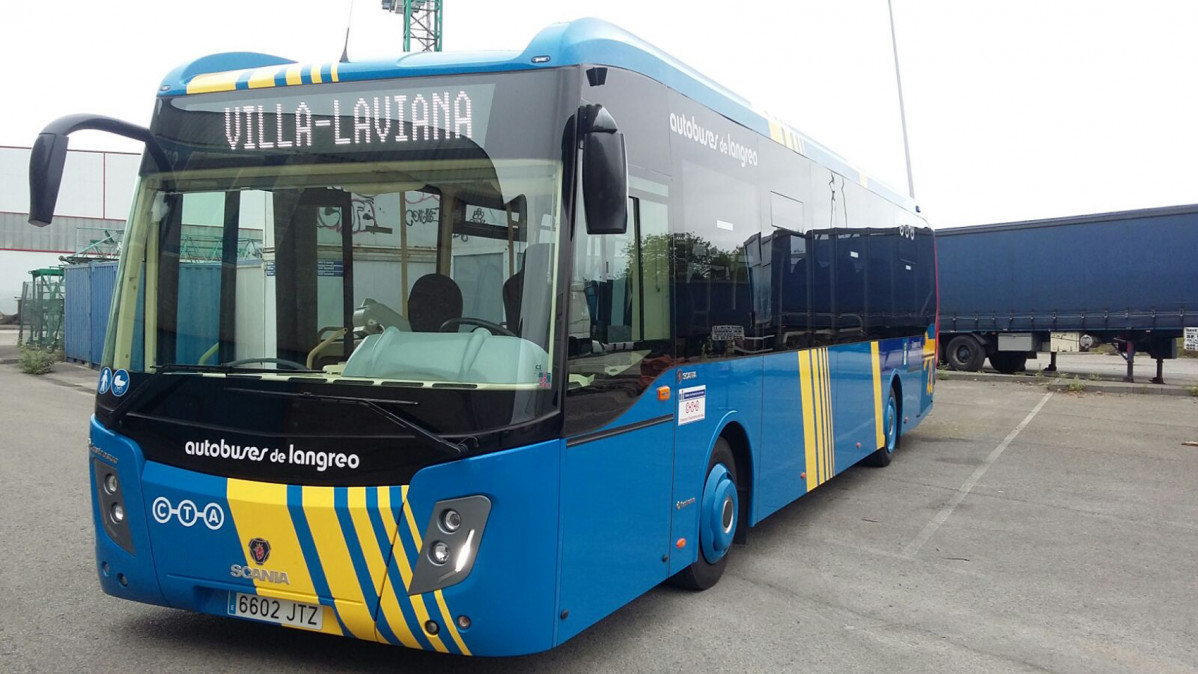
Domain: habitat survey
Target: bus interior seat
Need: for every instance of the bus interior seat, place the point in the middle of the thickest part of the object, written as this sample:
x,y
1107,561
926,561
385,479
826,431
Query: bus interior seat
x,y
537,260
434,299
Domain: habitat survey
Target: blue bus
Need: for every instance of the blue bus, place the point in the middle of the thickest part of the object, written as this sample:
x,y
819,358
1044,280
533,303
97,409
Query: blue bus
x,y
463,352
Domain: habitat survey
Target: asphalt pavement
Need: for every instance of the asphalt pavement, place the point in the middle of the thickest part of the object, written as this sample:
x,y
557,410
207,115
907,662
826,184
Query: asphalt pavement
x,y
1016,530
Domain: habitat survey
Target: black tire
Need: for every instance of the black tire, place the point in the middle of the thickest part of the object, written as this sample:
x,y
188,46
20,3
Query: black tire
x,y
1008,362
702,574
964,353
890,425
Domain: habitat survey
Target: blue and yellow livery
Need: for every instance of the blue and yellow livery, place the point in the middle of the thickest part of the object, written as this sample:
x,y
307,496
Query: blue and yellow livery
x,y
464,352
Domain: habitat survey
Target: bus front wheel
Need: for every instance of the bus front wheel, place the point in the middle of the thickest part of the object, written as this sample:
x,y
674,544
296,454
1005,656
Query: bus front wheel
x,y
719,515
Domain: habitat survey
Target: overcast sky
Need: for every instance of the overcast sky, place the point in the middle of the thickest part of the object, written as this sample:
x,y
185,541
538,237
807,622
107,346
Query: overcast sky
x,y
1016,109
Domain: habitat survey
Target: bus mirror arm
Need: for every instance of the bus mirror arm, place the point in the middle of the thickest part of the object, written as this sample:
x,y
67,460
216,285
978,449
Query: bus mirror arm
x,y
49,155
604,172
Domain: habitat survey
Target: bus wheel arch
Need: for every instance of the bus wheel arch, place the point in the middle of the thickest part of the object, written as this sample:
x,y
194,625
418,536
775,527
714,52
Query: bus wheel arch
x,y
896,383
729,450
738,439
881,457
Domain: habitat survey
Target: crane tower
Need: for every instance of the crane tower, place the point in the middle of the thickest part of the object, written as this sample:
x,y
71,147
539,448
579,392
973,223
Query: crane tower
x,y
421,23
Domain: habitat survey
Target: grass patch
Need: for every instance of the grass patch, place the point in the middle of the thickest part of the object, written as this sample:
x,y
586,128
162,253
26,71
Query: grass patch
x,y
34,360
1076,386
1192,390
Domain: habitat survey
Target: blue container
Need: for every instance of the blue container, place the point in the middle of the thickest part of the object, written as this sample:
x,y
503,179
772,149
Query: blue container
x,y
103,282
76,319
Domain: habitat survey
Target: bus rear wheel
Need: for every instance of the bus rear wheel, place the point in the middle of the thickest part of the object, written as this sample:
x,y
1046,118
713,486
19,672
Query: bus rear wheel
x,y
881,458
719,515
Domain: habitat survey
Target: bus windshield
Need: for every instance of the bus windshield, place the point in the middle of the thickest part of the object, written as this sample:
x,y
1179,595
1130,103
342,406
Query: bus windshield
x,y
401,234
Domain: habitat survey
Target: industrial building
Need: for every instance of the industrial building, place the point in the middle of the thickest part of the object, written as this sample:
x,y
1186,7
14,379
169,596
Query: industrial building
x,y
94,200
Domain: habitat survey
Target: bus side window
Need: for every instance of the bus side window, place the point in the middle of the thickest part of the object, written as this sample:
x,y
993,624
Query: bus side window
x,y
714,306
619,314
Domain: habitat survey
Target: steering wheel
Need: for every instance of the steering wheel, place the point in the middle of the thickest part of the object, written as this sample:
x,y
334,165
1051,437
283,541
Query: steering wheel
x,y
289,364
495,328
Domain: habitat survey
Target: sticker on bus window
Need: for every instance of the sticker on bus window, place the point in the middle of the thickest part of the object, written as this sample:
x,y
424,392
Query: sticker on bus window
x,y
727,333
692,404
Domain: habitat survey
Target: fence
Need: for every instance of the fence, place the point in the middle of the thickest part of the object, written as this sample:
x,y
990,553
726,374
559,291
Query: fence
x,y
42,309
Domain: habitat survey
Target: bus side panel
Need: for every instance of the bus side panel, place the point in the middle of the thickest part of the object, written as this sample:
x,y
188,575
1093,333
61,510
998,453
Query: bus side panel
x,y
113,563
510,594
615,519
854,417
783,457
732,394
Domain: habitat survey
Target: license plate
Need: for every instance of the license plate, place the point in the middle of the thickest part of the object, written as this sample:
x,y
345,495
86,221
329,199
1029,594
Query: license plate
x,y
277,611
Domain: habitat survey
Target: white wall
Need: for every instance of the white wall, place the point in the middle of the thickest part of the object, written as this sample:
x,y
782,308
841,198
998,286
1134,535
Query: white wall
x,y
94,184
15,266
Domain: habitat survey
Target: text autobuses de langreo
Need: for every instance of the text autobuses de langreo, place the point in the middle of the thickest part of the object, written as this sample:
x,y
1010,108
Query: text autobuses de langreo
x,y
321,461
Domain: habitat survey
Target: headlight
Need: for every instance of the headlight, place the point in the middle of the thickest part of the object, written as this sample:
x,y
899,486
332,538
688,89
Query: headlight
x,y
439,552
110,503
451,543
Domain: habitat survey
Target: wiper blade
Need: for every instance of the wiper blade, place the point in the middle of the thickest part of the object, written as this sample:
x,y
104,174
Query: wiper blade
x,y
436,442
126,405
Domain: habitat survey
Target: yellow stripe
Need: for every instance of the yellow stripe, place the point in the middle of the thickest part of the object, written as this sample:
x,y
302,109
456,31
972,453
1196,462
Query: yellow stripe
x,y
808,417
202,84
335,560
333,72
259,510
263,77
376,564
453,629
819,416
407,511
776,131
828,411
390,606
315,70
405,568
878,419
295,75
826,387
821,430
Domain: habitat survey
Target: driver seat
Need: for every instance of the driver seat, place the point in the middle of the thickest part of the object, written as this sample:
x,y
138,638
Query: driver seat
x,y
434,299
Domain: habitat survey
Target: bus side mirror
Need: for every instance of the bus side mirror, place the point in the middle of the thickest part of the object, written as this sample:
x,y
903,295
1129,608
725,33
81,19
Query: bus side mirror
x,y
46,161
49,155
604,174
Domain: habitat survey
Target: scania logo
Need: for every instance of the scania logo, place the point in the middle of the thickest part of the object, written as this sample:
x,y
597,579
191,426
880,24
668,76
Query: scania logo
x,y
259,550
261,575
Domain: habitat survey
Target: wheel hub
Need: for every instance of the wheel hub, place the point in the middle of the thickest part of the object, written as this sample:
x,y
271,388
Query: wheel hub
x,y
717,524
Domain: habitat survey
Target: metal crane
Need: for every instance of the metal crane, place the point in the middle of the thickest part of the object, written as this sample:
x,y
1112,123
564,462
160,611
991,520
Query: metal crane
x,y
421,22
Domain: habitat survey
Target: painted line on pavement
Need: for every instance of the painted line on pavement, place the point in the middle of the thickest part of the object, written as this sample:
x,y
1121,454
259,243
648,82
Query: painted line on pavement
x,y
941,517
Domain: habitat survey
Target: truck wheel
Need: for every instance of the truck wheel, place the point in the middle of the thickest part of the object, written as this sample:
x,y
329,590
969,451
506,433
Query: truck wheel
x,y
1008,362
964,353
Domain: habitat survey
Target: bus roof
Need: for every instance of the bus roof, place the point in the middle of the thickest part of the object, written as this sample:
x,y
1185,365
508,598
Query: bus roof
x,y
579,42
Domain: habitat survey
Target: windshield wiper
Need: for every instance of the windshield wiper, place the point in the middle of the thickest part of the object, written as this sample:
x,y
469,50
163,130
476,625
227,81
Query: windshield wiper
x,y
434,441
126,405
